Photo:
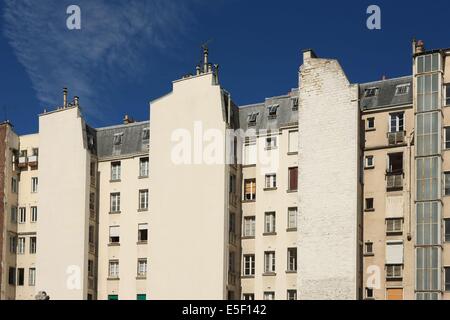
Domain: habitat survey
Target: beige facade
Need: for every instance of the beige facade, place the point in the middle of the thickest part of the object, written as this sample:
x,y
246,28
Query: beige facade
x,y
332,191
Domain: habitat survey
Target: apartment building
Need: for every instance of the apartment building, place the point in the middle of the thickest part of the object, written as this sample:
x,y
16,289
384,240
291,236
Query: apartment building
x,y
334,190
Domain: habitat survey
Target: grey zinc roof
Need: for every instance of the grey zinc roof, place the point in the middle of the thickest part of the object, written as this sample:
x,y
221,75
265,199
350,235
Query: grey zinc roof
x,y
386,93
132,142
285,114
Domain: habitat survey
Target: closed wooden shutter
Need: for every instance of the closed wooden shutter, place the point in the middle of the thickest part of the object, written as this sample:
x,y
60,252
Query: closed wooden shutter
x,y
394,294
293,178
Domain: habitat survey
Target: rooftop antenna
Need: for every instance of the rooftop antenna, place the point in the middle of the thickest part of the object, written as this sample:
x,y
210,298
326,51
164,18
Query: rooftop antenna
x,y
205,55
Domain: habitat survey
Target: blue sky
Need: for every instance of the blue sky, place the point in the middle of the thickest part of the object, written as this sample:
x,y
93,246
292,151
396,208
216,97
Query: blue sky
x,y
128,52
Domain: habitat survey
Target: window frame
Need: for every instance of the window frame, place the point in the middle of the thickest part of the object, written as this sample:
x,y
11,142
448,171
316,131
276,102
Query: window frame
x,y
248,265
269,262
270,221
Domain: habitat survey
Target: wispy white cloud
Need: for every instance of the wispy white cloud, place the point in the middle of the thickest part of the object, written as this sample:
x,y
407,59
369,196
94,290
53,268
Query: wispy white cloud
x,y
112,43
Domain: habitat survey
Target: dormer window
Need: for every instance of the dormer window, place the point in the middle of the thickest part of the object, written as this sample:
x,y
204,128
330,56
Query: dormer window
x,y
146,134
402,89
252,118
117,141
294,103
370,92
273,110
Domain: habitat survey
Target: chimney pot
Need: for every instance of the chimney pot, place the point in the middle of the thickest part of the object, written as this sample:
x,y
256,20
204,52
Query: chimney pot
x,y
65,97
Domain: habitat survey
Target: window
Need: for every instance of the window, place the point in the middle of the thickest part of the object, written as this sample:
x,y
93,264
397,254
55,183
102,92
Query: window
x,y
447,94
117,140
369,162
34,184
12,276
113,268
22,215
369,204
395,164
20,276
114,234
33,245
115,170
369,293
273,110
370,124
33,214
292,294
252,117
394,271
269,261
232,223
447,230
447,278
396,122
32,277
292,218
12,244
231,262
394,252
14,185
402,89
427,133
142,268
143,232
249,227
427,92
115,202
143,199
249,265
271,181
91,234
370,92
428,269
428,63
143,167
92,201
250,189
249,296
293,178
113,297
447,138
369,248
141,296
271,142
145,134
394,225
269,295
294,102
447,183
13,214
232,187
292,259
269,222
90,268
293,141
21,245
427,176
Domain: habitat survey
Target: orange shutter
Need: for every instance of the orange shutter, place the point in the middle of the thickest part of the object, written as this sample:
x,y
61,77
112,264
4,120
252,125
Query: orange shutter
x,y
394,294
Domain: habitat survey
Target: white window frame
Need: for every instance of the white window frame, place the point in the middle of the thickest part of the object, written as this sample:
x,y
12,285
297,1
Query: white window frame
x,y
34,184
405,86
368,126
399,118
269,295
142,226
369,161
112,234
32,277
292,217
21,245
34,213
22,218
270,222
271,142
271,180
269,262
292,260
142,267
33,246
394,271
115,202
291,294
116,170
249,265
143,199
249,226
394,225
250,196
113,268
143,167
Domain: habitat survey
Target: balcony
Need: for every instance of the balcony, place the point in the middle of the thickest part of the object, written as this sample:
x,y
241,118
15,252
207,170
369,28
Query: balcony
x,y
396,137
233,238
33,161
23,161
92,248
232,278
394,181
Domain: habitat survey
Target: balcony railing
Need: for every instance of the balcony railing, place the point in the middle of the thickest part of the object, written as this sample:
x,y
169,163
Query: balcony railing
x,y
33,160
396,137
22,162
394,181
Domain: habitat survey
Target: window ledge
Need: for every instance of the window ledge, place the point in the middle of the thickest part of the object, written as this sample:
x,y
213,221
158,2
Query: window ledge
x,y
370,129
369,254
291,191
270,148
291,271
116,180
142,242
141,277
114,212
270,189
113,278
113,244
142,177
248,237
142,210
248,201
369,210
269,274
292,153
269,234
370,167
394,278
291,229
248,277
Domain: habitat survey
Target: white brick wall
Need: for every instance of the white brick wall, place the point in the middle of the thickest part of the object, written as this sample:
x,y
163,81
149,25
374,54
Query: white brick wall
x,y
328,182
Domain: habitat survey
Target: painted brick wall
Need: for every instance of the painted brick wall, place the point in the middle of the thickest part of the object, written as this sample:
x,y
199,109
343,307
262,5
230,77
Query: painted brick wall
x,y
328,182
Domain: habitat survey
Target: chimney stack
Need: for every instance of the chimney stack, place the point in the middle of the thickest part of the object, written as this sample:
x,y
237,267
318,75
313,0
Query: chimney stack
x,y
420,47
205,59
76,101
127,120
65,98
